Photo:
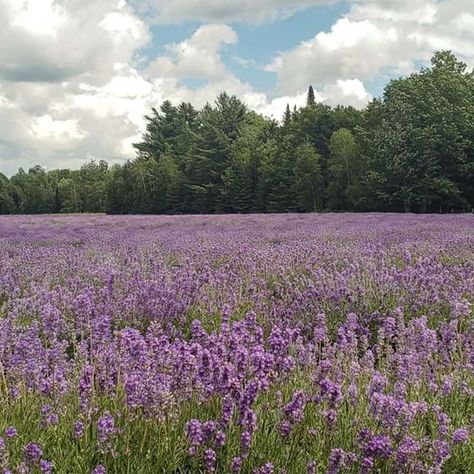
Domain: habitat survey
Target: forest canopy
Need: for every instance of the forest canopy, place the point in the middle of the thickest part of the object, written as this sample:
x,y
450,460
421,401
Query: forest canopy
x,y
412,150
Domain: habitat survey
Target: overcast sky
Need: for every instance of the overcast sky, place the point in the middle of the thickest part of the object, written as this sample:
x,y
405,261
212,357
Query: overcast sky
x,y
77,76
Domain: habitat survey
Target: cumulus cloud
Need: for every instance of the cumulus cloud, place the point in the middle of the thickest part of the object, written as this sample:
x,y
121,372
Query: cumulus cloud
x,y
74,82
64,106
196,57
276,108
426,24
348,92
68,86
200,57
42,41
352,49
253,11
378,37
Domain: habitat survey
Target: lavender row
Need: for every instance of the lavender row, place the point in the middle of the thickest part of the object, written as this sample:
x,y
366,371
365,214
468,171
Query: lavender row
x,y
253,344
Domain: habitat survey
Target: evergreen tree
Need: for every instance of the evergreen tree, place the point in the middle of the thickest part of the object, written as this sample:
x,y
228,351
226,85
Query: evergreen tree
x,y
310,98
411,150
206,166
343,169
287,116
308,179
7,204
241,179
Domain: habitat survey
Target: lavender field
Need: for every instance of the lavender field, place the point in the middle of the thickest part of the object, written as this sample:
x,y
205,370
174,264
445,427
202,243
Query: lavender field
x,y
252,344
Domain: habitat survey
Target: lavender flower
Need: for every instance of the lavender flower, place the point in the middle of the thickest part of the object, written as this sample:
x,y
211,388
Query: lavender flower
x,y
195,432
460,436
10,432
368,313
267,468
294,410
210,459
78,429
408,448
245,441
236,465
106,428
378,446
220,438
441,449
99,469
367,464
336,461
32,452
49,417
46,467
285,428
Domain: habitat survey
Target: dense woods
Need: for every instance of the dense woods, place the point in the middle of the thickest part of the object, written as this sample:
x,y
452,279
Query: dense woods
x,y
411,150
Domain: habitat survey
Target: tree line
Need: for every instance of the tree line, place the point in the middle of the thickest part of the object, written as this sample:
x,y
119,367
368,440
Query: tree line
x,y
412,150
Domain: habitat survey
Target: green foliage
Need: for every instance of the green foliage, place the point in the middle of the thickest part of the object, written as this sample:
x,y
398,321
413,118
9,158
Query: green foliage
x,y
7,204
310,98
343,169
308,179
411,150
421,145
256,139
206,166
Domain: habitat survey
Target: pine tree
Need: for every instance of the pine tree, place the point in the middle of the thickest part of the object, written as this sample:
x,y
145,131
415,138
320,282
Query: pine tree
x,y
310,99
307,179
287,116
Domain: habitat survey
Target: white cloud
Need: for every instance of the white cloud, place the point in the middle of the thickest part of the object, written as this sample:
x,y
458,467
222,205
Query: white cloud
x,y
196,57
39,16
199,57
352,49
378,38
47,127
123,27
347,92
253,11
276,107
42,41
464,23
73,83
68,86
399,11
58,118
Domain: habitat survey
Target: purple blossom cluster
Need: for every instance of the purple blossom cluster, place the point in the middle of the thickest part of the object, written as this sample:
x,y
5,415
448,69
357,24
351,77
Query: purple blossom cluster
x,y
270,344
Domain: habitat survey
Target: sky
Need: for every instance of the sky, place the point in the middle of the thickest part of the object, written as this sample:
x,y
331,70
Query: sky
x,y
78,76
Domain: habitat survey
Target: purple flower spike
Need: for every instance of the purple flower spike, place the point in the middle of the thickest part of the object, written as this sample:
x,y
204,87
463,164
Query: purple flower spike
x,y
236,465
106,428
460,436
46,467
210,460
267,468
78,429
33,452
10,432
